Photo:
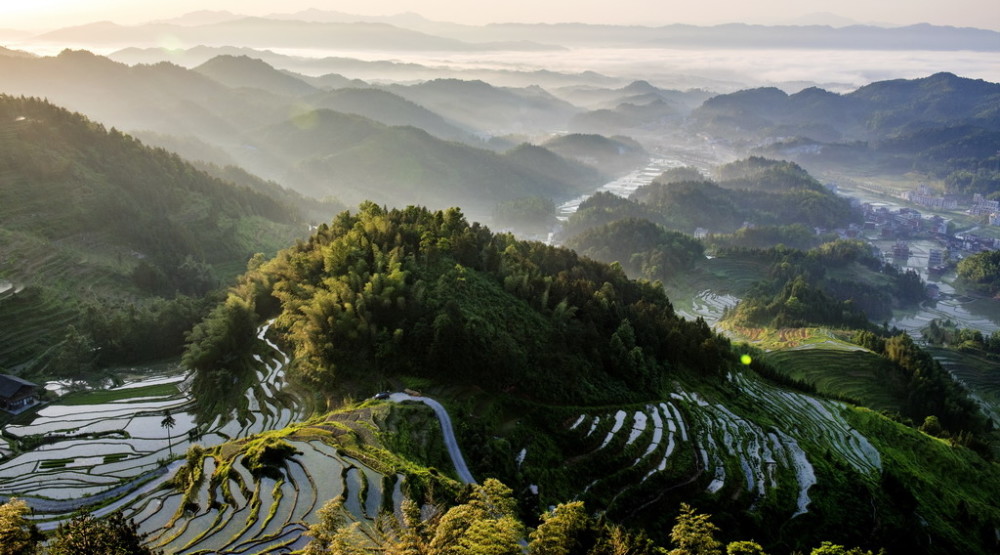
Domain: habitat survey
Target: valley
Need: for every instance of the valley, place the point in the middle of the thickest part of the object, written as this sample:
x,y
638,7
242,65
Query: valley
x,y
327,283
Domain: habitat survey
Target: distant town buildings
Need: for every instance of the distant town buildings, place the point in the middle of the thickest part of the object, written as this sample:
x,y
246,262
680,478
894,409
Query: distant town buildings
x,y
983,207
903,222
901,250
924,196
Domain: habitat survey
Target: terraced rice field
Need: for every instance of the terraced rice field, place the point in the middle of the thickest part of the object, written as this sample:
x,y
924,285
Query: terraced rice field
x,y
235,512
31,314
708,305
980,375
115,452
833,370
623,186
689,439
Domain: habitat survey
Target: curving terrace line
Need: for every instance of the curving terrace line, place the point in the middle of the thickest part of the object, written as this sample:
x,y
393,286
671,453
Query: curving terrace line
x,y
450,442
130,491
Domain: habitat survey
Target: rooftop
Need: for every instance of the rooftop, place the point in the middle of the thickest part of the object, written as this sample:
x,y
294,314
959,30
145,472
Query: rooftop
x,y
10,385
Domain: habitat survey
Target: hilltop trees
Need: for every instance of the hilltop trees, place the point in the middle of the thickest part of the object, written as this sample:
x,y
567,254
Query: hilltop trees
x,y
388,292
484,524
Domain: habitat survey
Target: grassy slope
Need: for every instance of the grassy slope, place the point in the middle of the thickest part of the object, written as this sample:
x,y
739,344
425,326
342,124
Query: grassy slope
x,y
940,479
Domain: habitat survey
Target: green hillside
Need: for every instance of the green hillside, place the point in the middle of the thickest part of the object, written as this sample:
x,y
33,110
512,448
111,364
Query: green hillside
x,y
389,109
747,193
611,155
91,218
247,72
942,127
567,379
881,109
478,105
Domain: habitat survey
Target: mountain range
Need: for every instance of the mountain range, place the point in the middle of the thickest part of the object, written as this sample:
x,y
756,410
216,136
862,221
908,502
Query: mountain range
x,y
879,109
271,33
565,378
322,29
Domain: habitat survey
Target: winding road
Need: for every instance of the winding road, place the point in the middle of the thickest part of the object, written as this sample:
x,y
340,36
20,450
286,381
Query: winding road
x,y
450,442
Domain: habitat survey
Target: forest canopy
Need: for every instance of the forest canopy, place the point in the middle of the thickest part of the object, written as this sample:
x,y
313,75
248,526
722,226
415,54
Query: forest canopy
x,y
383,293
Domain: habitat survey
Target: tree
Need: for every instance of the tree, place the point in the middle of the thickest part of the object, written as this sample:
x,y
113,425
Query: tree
x,y
744,548
167,423
86,534
829,548
17,535
932,426
563,531
335,533
694,534
484,525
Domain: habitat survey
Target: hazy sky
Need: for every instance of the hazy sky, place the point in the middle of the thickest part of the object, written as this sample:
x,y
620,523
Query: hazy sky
x,y
40,14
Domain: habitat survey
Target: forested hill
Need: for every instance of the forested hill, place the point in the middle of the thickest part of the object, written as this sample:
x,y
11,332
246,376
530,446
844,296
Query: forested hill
x,y
90,217
64,175
383,294
878,110
757,191
568,380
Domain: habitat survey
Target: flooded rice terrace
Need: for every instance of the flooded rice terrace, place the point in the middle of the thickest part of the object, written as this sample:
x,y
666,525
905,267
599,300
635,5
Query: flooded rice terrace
x,y
115,454
623,186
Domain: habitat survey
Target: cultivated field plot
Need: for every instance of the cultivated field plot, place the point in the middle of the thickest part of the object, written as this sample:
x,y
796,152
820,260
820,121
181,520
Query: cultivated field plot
x,y
836,368
980,375
231,511
80,454
724,450
708,305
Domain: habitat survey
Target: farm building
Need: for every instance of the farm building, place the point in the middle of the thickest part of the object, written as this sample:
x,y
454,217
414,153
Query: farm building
x,y
16,394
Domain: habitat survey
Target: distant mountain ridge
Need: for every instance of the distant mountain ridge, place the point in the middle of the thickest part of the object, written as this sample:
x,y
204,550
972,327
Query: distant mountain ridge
x,y
326,152
244,71
740,35
510,110
810,31
254,114
390,109
410,32
380,70
272,33
879,109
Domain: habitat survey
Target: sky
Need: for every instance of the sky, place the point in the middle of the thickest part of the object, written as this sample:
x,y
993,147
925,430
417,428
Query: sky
x,y
985,14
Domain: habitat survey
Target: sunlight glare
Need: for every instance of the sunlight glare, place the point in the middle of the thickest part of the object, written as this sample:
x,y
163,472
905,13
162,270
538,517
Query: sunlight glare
x,y
171,43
